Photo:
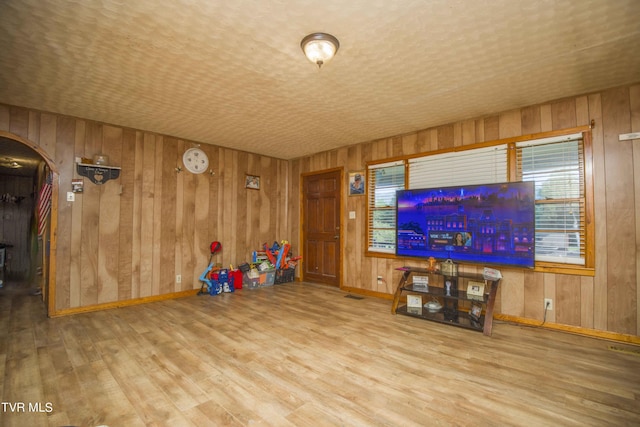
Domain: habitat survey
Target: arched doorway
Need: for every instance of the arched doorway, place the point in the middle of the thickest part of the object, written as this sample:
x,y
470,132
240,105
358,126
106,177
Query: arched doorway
x,y
34,160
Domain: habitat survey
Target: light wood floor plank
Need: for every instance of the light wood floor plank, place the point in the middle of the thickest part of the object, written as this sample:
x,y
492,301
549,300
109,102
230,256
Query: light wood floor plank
x,y
300,355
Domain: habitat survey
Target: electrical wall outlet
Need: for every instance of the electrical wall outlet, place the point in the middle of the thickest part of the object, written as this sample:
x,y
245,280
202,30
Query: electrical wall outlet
x,y
379,280
178,278
548,304
71,197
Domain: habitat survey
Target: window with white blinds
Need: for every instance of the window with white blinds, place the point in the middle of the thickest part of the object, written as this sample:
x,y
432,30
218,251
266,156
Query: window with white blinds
x,y
469,167
556,165
383,182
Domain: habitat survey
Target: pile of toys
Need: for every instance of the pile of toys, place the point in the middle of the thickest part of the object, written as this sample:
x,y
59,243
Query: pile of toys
x,y
273,264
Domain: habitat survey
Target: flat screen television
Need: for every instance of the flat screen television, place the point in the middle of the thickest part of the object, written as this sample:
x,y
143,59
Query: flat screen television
x,y
478,224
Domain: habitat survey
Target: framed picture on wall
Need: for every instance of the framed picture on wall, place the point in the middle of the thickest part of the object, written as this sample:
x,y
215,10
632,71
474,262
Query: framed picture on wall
x,y
252,182
356,183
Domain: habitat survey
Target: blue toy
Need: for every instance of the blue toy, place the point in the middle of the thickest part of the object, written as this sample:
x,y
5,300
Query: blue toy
x,y
213,286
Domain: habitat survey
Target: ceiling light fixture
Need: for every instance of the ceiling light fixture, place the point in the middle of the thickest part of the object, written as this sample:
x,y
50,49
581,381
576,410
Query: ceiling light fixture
x,y
319,47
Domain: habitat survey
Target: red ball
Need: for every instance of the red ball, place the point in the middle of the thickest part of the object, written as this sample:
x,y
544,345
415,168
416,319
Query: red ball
x,y
215,247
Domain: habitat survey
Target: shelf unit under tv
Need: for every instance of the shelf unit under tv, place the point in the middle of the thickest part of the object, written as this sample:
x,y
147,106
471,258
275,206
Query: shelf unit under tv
x,y
455,303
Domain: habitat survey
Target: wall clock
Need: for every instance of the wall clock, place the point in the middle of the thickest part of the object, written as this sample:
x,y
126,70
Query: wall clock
x,y
195,160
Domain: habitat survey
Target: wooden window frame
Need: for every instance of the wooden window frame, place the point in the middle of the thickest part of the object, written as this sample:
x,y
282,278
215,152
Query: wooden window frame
x,y
588,269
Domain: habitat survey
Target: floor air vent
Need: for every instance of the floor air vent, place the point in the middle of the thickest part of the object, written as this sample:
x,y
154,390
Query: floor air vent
x,y
633,351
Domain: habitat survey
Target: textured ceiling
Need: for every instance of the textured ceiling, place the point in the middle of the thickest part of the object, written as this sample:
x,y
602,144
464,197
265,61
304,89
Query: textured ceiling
x,y
231,73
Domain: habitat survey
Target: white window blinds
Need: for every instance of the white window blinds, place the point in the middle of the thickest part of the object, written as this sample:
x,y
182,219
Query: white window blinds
x,y
468,167
384,180
556,165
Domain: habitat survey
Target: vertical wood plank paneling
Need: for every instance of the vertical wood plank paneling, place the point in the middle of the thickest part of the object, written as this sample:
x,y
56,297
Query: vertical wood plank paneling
x,y
147,203
533,295
512,295
567,302
620,207
530,117
353,236
138,206
248,217
214,204
126,233
468,132
188,230
634,102
19,123
168,216
510,124
586,302
600,215
582,111
423,141
266,207
546,123
229,190
457,134
293,203
64,141
409,146
445,137
550,292
563,114
156,247
75,238
90,222
491,128
201,227
48,123
34,127
178,238
479,123
108,253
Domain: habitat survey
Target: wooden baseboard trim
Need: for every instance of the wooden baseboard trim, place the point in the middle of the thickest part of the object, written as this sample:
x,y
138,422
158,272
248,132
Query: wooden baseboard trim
x,y
593,333
120,304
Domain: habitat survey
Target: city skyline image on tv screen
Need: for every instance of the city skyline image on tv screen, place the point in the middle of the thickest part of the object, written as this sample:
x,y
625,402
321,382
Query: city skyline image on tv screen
x,y
481,224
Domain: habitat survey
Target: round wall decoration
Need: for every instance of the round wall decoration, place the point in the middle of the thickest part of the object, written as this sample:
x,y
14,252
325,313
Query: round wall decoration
x,y
195,160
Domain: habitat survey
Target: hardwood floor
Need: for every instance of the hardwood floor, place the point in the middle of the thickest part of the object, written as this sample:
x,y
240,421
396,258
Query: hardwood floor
x,y
299,355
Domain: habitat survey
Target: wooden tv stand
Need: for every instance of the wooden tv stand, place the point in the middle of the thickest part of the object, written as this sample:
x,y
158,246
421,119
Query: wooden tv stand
x,y
455,304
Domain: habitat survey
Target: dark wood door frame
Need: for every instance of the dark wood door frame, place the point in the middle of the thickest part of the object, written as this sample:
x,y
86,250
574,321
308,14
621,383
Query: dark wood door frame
x,y
339,232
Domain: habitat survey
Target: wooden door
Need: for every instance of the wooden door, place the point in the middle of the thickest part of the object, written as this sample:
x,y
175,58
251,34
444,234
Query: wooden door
x,y
321,227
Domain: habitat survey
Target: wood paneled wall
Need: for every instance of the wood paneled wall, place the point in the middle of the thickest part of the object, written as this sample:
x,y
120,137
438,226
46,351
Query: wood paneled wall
x,y
131,236
608,301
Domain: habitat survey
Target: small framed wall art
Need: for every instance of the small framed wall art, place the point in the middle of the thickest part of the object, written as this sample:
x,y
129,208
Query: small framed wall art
x,y
252,182
356,183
